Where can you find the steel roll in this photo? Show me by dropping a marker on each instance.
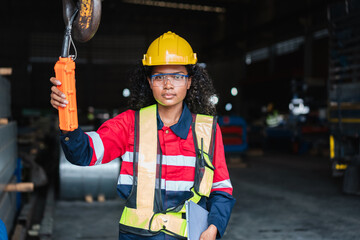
(76, 182)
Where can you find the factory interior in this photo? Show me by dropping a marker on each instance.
(287, 82)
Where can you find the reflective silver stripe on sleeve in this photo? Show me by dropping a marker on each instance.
(178, 185)
(98, 146)
(127, 157)
(125, 179)
(179, 160)
(222, 184)
(162, 183)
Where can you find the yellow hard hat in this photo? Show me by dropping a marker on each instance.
(169, 49)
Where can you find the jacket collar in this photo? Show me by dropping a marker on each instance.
(182, 127)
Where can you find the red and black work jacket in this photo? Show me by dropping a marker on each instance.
(115, 138)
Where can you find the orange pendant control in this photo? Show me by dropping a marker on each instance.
(65, 73)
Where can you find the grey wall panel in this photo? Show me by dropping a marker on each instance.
(76, 182)
(4, 98)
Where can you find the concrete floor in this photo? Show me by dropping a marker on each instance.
(75, 220)
(278, 197)
(291, 197)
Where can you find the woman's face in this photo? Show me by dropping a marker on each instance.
(168, 94)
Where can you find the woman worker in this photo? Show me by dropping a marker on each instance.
(170, 146)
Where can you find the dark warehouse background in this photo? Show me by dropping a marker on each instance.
(296, 175)
(286, 41)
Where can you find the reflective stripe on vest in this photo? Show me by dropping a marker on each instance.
(141, 218)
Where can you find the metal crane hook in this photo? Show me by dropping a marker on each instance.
(82, 21)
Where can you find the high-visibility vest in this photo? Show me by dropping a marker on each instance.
(143, 213)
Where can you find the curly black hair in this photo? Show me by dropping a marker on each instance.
(197, 97)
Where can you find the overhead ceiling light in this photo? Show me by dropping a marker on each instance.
(126, 92)
(214, 99)
(185, 6)
(228, 107)
(234, 91)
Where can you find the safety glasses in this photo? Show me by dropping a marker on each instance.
(176, 79)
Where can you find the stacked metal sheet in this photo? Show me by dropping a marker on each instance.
(78, 182)
(8, 157)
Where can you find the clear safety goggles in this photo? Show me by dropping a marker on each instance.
(176, 79)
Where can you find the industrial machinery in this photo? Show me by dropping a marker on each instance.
(344, 92)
